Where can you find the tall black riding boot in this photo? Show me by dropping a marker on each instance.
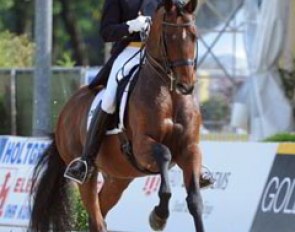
(82, 168)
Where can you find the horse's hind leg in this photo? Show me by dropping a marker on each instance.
(190, 163)
(160, 214)
(111, 192)
(90, 200)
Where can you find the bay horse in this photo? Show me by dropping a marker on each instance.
(163, 127)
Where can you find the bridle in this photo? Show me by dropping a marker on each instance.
(167, 66)
(176, 63)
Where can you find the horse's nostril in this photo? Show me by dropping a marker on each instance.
(184, 89)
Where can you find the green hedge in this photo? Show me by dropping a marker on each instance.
(282, 137)
(16, 50)
(80, 217)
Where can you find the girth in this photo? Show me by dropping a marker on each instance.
(126, 148)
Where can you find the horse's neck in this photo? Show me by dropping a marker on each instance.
(154, 79)
(155, 104)
(155, 89)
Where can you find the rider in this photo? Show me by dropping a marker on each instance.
(121, 23)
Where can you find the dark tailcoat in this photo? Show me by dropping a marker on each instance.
(113, 28)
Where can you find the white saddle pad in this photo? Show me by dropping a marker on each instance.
(122, 109)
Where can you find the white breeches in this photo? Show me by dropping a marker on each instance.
(119, 70)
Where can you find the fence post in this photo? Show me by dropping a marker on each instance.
(42, 80)
(13, 101)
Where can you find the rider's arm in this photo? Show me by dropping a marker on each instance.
(112, 29)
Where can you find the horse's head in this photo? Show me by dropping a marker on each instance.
(172, 43)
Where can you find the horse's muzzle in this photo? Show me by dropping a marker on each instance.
(184, 89)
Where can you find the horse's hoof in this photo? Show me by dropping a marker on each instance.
(157, 223)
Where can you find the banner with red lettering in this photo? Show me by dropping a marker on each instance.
(252, 184)
(17, 158)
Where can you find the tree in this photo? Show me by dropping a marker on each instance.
(16, 16)
(6, 4)
(214, 112)
(75, 29)
(288, 81)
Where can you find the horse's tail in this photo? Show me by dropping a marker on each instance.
(50, 194)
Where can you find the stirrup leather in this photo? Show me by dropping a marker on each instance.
(77, 180)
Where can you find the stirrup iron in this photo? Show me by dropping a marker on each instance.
(70, 177)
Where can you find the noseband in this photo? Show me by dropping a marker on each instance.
(168, 65)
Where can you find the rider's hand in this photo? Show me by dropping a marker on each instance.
(138, 24)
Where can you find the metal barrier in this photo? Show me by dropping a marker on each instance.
(16, 96)
(214, 93)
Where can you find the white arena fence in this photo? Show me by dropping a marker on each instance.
(254, 189)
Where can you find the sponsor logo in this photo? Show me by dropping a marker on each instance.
(17, 158)
(221, 180)
(152, 184)
(22, 152)
(2, 145)
(4, 189)
(279, 196)
(180, 206)
(276, 208)
(13, 195)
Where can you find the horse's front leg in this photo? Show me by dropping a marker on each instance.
(160, 214)
(190, 163)
(152, 152)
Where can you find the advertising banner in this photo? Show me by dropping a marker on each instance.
(240, 170)
(276, 208)
(17, 159)
(253, 192)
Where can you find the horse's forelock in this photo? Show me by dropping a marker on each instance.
(180, 6)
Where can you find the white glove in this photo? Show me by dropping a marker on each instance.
(138, 24)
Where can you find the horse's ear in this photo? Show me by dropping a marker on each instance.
(168, 5)
(191, 6)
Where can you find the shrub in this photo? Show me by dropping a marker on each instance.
(214, 112)
(66, 61)
(282, 137)
(15, 51)
(80, 217)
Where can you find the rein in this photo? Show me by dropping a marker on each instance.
(159, 69)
